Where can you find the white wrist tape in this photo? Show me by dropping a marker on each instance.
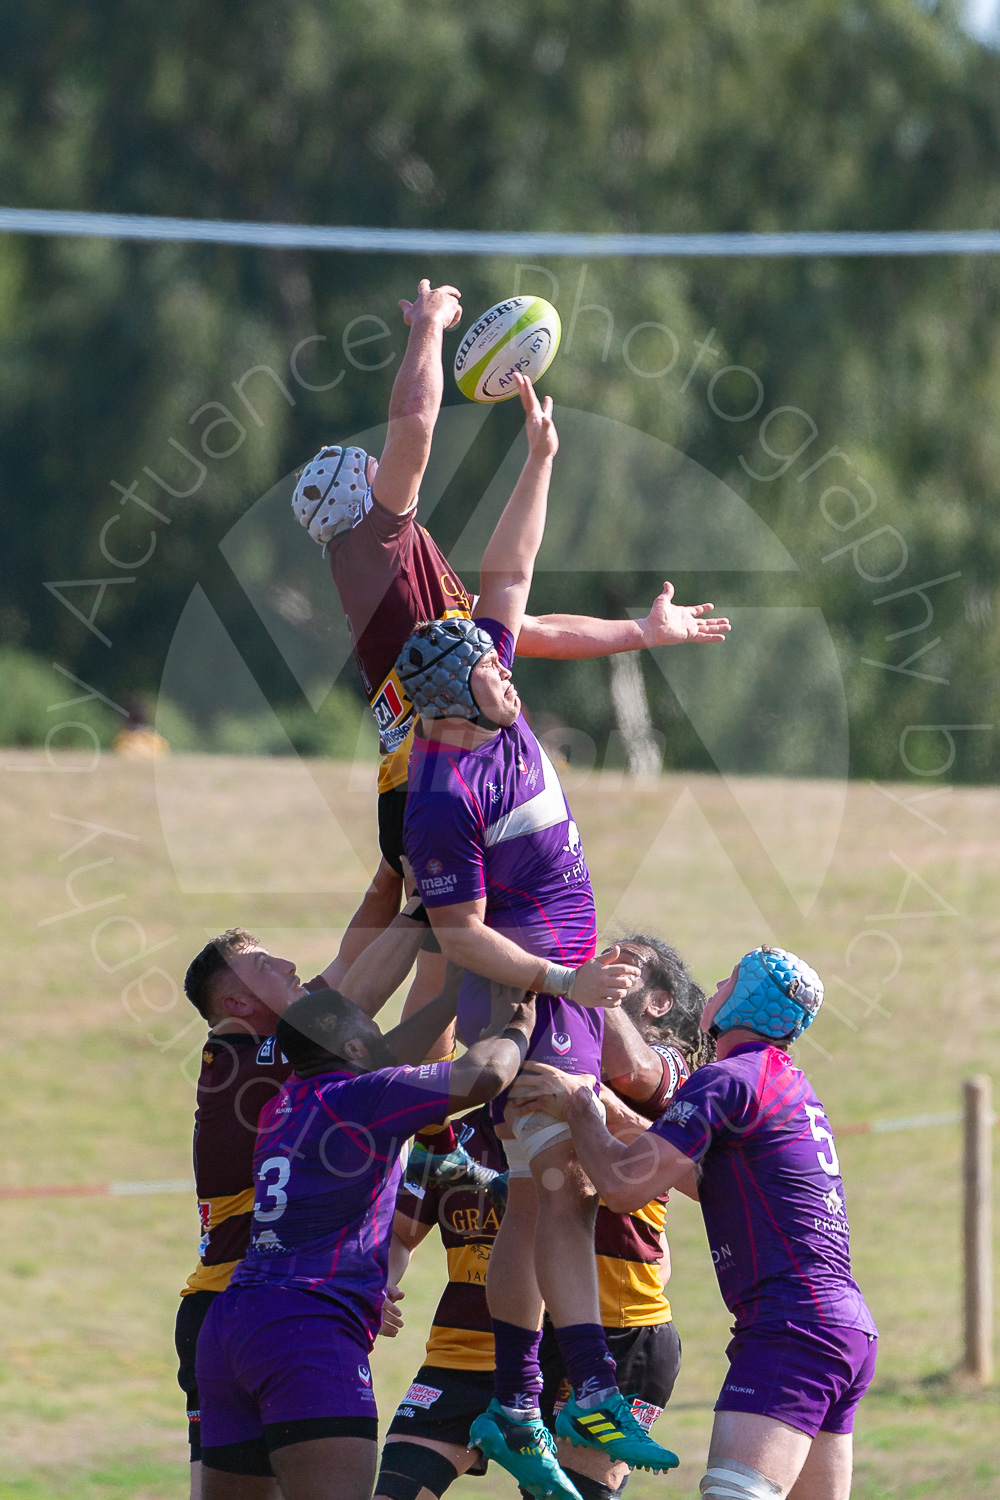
(559, 981)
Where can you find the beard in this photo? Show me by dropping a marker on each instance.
(634, 1006)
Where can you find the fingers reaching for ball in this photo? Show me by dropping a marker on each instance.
(543, 440)
(441, 304)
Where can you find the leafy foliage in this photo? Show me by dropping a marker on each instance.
(124, 363)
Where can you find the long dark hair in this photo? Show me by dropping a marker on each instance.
(664, 969)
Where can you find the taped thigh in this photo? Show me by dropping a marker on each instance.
(518, 1163)
(537, 1131)
(728, 1480)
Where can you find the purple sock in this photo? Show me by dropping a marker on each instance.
(585, 1353)
(518, 1378)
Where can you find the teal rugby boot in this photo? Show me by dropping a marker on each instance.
(525, 1449)
(454, 1169)
(613, 1430)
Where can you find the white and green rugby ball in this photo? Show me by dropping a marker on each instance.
(520, 334)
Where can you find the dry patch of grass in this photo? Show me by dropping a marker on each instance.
(99, 1070)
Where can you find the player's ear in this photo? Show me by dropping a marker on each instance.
(658, 1002)
(355, 1050)
(236, 1004)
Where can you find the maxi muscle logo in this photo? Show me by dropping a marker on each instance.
(702, 526)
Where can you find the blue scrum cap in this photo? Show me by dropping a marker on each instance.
(775, 994)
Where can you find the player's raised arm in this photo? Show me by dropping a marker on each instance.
(416, 396)
(575, 637)
(509, 560)
(382, 967)
(411, 1041)
(491, 1064)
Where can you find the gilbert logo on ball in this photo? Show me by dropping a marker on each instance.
(521, 334)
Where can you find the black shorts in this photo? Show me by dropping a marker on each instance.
(441, 1405)
(391, 808)
(190, 1316)
(648, 1361)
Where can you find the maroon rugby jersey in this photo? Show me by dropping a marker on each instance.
(391, 575)
(239, 1075)
(461, 1336)
(629, 1251)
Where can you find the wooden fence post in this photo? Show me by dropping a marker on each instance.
(977, 1174)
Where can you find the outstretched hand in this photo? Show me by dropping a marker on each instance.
(543, 440)
(670, 624)
(441, 303)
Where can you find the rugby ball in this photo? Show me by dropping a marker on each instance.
(520, 334)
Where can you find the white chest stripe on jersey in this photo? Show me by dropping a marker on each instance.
(544, 810)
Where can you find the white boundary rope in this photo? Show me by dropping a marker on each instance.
(46, 221)
(186, 1185)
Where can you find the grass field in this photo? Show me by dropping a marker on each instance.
(99, 1068)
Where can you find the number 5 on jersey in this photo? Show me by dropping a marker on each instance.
(830, 1164)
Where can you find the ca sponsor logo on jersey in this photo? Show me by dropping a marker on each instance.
(421, 1395)
(561, 1042)
(393, 713)
(452, 589)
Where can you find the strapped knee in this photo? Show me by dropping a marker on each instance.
(593, 1489)
(728, 1480)
(408, 1468)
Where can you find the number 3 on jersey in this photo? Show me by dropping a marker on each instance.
(275, 1189)
(830, 1164)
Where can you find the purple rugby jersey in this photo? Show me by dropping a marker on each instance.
(494, 822)
(770, 1189)
(326, 1170)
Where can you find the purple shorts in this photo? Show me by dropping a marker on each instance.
(566, 1036)
(275, 1366)
(811, 1378)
